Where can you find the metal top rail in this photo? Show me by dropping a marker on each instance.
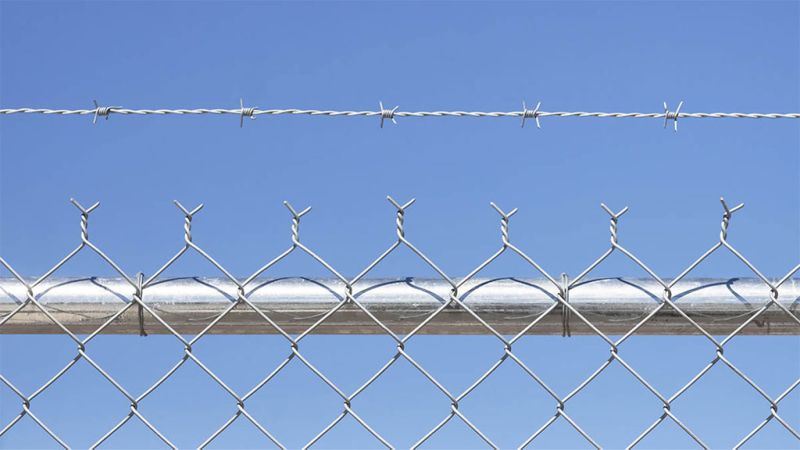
(613, 305)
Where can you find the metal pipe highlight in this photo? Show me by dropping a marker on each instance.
(613, 305)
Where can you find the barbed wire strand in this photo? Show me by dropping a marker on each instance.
(391, 114)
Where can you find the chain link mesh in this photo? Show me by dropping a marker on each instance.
(561, 287)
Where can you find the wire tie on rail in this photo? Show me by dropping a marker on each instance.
(669, 115)
(387, 114)
(139, 283)
(102, 111)
(566, 313)
(245, 112)
(530, 114)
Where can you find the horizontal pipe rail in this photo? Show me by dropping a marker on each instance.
(613, 305)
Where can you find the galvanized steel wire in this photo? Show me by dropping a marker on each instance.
(560, 288)
(386, 113)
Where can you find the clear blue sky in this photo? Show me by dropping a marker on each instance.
(607, 56)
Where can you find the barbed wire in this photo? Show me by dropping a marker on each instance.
(558, 290)
(391, 114)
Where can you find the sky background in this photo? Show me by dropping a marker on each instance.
(572, 56)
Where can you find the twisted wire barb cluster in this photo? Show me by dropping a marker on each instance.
(390, 114)
(456, 299)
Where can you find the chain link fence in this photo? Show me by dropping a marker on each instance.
(23, 298)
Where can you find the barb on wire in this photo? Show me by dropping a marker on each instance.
(530, 113)
(672, 115)
(102, 111)
(387, 113)
(245, 112)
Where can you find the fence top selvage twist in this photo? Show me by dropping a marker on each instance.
(456, 299)
(390, 114)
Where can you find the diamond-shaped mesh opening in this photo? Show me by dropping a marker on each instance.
(614, 393)
(135, 362)
(508, 405)
(187, 400)
(402, 404)
(561, 363)
(81, 405)
(668, 362)
(443, 357)
(254, 357)
(30, 361)
(349, 361)
(773, 371)
(721, 407)
(284, 402)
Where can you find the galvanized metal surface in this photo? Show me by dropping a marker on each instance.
(613, 305)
